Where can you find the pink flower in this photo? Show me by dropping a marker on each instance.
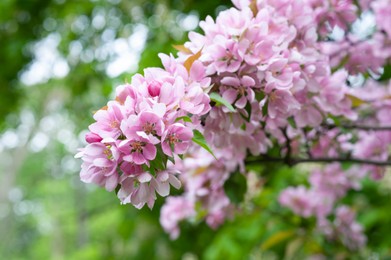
(239, 87)
(135, 190)
(162, 183)
(308, 116)
(108, 121)
(147, 124)
(175, 210)
(299, 200)
(331, 180)
(195, 100)
(382, 9)
(154, 88)
(99, 166)
(176, 139)
(282, 102)
(137, 150)
(347, 229)
(226, 55)
(93, 138)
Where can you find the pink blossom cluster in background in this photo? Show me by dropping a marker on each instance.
(269, 73)
(327, 186)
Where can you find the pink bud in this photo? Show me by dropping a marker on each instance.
(154, 88)
(93, 138)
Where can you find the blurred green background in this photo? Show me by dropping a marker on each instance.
(60, 61)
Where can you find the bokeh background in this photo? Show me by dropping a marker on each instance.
(59, 62)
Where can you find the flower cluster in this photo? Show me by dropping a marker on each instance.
(268, 73)
(266, 62)
(327, 186)
(137, 135)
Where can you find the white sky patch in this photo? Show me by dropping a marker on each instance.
(48, 62)
(364, 26)
(10, 139)
(126, 52)
(39, 142)
(189, 22)
(15, 194)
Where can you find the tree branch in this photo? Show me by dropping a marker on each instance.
(287, 158)
(359, 127)
(294, 161)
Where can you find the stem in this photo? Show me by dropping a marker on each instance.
(287, 158)
(294, 161)
(360, 127)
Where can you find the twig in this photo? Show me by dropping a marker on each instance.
(359, 127)
(294, 161)
(287, 158)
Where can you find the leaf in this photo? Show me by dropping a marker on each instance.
(160, 160)
(293, 248)
(276, 238)
(184, 118)
(189, 62)
(102, 108)
(219, 100)
(199, 139)
(386, 73)
(253, 7)
(292, 122)
(356, 102)
(236, 187)
(182, 48)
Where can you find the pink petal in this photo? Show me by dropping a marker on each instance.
(149, 151)
(174, 181)
(163, 188)
(111, 182)
(138, 158)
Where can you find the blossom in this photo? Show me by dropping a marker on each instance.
(299, 199)
(108, 121)
(162, 182)
(138, 150)
(176, 139)
(175, 210)
(100, 165)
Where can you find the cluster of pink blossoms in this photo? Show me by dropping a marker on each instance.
(143, 130)
(327, 187)
(265, 61)
(266, 73)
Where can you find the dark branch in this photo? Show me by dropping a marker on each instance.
(287, 158)
(359, 127)
(294, 161)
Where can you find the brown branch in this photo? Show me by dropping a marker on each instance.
(287, 158)
(294, 161)
(359, 127)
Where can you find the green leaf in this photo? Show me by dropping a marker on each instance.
(386, 73)
(265, 108)
(199, 139)
(356, 102)
(292, 122)
(277, 238)
(221, 101)
(160, 161)
(184, 118)
(235, 187)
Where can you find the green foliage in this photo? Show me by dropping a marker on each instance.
(219, 100)
(386, 73)
(235, 187)
(47, 213)
(199, 139)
